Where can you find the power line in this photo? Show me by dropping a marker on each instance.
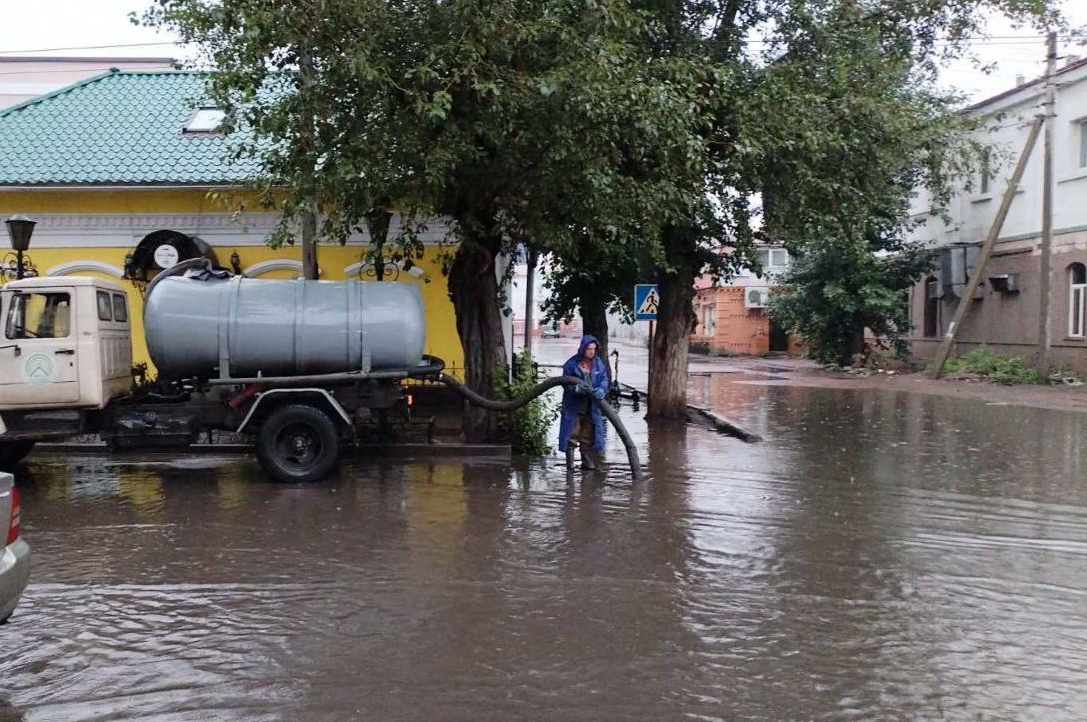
(102, 69)
(91, 47)
(974, 39)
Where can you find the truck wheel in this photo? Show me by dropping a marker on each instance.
(298, 443)
(12, 452)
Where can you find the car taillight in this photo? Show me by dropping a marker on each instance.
(14, 527)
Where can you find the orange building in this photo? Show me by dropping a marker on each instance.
(733, 320)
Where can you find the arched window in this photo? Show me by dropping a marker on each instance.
(1077, 285)
(932, 307)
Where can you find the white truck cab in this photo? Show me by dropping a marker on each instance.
(65, 343)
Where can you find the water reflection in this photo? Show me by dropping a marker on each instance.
(880, 556)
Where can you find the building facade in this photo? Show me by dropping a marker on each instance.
(1005, 310)
(125, 176)
(732, 318)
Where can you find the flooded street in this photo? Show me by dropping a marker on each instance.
(880, 556)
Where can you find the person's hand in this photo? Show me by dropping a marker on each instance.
(599, 394)
(583, 388)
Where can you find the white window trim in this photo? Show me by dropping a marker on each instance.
(1081, 143)
(985, 174)
(1073, 332)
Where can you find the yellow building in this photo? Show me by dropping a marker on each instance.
(125, 176)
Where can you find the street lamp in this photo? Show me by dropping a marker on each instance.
(20, 228)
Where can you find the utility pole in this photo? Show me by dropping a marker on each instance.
(309, 211)
(948, 340)
(530, 299)
(1049, 109)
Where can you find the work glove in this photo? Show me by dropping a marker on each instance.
(583, 388)
(599, 394)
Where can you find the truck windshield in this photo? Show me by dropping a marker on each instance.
(39, 315)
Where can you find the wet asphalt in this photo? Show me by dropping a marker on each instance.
(880, 556)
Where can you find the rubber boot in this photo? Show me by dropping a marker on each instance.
(570, 455)
(587, 459)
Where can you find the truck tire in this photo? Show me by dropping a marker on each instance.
(297, 444)
(12, 452)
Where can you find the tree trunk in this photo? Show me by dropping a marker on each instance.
(310, 268)
(473, 289)
(671, 346)
(855, 348)
(594, 322)
(377, 222)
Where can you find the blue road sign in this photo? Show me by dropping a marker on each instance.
(646, 302)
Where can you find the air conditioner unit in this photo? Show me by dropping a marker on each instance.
(756, 297)
(1006, 283)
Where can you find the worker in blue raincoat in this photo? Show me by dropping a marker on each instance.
(582, 425)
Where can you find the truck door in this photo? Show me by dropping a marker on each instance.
(38, 360)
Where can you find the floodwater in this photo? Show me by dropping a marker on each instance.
(880, 556)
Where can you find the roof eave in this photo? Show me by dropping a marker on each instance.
(1011, 92)
(120, 185)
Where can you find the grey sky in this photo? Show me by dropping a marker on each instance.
(81, 23)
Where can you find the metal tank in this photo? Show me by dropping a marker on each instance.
(197, 324)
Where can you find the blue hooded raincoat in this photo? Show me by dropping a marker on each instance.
(574, 397)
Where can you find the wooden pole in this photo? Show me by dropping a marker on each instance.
(948, 340)
(1045, 330)
(649, 365)
(530, 300)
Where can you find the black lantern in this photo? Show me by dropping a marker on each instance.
(20, 229)
(236, 263)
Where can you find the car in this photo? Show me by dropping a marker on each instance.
(15, 554)
(551, 331)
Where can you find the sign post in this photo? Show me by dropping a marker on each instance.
(646, 303)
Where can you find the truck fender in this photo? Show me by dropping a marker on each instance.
(269, 401)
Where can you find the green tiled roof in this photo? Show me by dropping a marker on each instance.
(120, 128)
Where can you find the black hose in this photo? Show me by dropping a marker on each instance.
(174, 270)
(540, 388)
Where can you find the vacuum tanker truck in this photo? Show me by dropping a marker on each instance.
(296, 365)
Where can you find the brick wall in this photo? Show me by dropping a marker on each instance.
(737, 330)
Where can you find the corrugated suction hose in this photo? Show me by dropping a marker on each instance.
(546, 385)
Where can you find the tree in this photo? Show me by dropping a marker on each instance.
(832, 293)
(838, 195)
(806, 90)
(551, 122)
(843, 208)
(595, 276)
(502, 118)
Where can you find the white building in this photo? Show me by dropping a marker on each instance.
(1006, 308)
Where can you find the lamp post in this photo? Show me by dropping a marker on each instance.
(20, 228)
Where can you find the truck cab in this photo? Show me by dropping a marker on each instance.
(66, 343)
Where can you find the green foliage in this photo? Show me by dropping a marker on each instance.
(520, 120)
(995, 367)
(624, 138)
(832, 293)
(528, 428)
(873, 130)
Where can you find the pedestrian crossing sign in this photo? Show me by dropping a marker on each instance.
(646, 302)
